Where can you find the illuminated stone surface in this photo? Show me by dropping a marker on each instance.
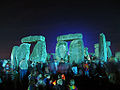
(61, 50)
(117, 55)
(69, 37)
(29, 39)
(13, 56)
(39, 52)
(23, 52)
(76, 51)
(86, 54)
(102, 48)
(23, 64)
(96, 46)
(86, 51)
(109, 53)
(48, 56)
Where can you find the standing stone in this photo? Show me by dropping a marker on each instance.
(96, 46)
(48, 56)
(23, 52)
(39, 52)
(86, 52)
(117, 55)
(102, 48)
(61, 50)
(13, 57)
(76, 51)
(109, 53)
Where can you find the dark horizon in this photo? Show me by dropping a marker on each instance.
(51, 19)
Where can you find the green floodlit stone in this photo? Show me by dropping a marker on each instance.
(117, 55)
(76, 51)
(39, 52)
(61, 50)
(108, 43)
(102, 48)
(29, 39)
(86, 51)
(96, 46)
(13, 56)
(70, 37)
(23, 52)
(48, 56)
(109, 52)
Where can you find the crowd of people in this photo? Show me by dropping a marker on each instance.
(60, 75)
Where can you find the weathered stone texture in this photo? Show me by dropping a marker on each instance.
(61, 50)
(29, 39)
(13, 56)
(102, 48)
(96, 46)
(109, 53)
(76, 51)
(69, 37)
(39, 52)
(23, 52)
(117, 55)
(86, 51)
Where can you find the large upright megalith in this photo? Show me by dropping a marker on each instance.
(23, 52)
(13, 57)
(96, 46)
(76, 51)
(102, 48)
(39, 52)
(109, 53)
(61, 50)
(86, 52)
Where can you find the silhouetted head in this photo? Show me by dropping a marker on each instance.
(72, 82)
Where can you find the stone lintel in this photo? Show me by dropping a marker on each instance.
(70, 37)
(30, 39)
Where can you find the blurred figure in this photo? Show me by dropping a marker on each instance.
(59, 85)
(40, 85)
(39, 67)
(32, 79)
(23, 68)
(63, 66)
(92, 70)
(75, 69)
(86, 68)
(72, 85)
(0, 80)
(53, 66)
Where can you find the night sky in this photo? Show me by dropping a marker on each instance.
(51, 19)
